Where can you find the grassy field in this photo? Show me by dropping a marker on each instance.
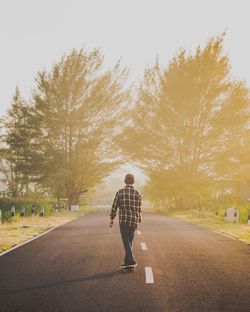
(213, 222)
(23, 229)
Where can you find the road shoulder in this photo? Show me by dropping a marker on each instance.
(24, 230)
(213, 223)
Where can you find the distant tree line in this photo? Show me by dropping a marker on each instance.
(187, 126)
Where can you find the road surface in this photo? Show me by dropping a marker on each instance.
(76, 268)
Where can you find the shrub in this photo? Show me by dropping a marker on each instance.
(243, 214)
(19, 203)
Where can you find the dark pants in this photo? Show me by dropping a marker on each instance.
(127, 234)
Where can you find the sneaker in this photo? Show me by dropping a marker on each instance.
(133, 263)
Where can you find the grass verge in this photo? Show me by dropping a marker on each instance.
(213, 222)
(17, 232)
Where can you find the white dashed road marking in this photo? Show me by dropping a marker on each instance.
(149, 275)
(143, 246)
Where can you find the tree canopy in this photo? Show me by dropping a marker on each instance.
(186, 119)
(187, 126)
(74, 112)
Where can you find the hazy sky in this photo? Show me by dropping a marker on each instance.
(36, 33)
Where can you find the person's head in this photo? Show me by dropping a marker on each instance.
(129, 179)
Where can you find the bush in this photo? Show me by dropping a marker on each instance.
(221, 212)
(19, 203)
(243, 214)
(6, 216)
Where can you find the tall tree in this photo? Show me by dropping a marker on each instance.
(78, 108)
(17, 151)
(185, 119)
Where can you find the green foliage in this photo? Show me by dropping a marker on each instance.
(77, 107)
(188, 124)
(186, 129)
(19, 203)
(17, 155)
(243, 214)
(63, 140)
(221, 213)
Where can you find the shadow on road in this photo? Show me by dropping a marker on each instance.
(98, 276)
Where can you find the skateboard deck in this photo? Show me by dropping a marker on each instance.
(128, 268)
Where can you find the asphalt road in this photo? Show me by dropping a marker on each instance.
(76, 268)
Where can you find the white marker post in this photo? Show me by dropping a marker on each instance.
(12, 211)
(74, 208)
(22, 214)
(42, 212)
(33, 211)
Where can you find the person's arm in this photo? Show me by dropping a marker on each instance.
(114, 209)
(139, 208)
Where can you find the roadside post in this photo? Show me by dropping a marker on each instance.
(12, 211)
(232, 215)
(0, 216)
(74, 208)
(42, 212)
(33, 210)
(22, 214)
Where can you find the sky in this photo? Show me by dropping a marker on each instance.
(34, 34)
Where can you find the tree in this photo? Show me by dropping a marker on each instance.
(18, 148)
(233, 166)
(185, 120)
(78, 108)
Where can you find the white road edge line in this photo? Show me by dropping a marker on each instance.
(33, 238)
(139, 232)
(143, 246)
(224, 234)
(149, 275)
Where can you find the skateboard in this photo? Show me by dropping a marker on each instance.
(128, 268)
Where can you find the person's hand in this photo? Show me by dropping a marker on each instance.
(111, 223)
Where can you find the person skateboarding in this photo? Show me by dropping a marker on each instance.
(128, 200)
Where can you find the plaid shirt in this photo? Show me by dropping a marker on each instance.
(129, 202)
